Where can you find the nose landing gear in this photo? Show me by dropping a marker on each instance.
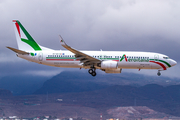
(158, 73)
(92, 71)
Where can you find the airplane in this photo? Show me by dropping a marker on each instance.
(107, 61)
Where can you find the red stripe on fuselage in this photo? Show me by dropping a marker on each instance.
(164, 68)
(71, 59)
(62, 59)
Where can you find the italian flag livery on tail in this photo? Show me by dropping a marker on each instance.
(107, 61)
(23, 36)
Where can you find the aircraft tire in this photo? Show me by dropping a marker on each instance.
(158, 73)
(93, 74)
(90, 71)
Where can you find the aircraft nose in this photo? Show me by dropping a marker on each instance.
(173, 62)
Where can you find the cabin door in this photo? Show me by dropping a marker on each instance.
(40, 56)
(156, 57)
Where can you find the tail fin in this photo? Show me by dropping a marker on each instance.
(24, 40)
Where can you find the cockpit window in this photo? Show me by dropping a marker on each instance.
(166, 57)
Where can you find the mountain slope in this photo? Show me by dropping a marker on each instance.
(79, 81)
(66, 82)
(22, 85)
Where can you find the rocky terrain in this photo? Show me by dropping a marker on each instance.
(58, 106)
(70, 94)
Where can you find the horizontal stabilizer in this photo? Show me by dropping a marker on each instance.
(17, 51)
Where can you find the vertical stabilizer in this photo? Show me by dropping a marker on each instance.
(24, 40)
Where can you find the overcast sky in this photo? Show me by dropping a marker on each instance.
(129, 25)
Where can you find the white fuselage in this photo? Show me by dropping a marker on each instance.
(107, 61)
(124, 59)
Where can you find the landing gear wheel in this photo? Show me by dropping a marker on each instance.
(90, 71)
(158, 73)
(93, 74)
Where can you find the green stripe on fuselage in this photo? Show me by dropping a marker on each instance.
(162, 61)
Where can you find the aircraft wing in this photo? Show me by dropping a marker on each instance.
(87, 60)
(17, 51)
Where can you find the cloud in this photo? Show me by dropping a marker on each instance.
(130, 25)
(20, 67)
(45, 73)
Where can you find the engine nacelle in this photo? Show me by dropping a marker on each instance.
(109, 65)
(118, 70)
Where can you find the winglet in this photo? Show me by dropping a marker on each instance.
(62, 41)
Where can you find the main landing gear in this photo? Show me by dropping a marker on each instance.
(92, 71)
(158, 73)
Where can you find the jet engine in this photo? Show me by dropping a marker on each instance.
(109, 65)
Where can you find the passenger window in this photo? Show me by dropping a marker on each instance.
(166, 57)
